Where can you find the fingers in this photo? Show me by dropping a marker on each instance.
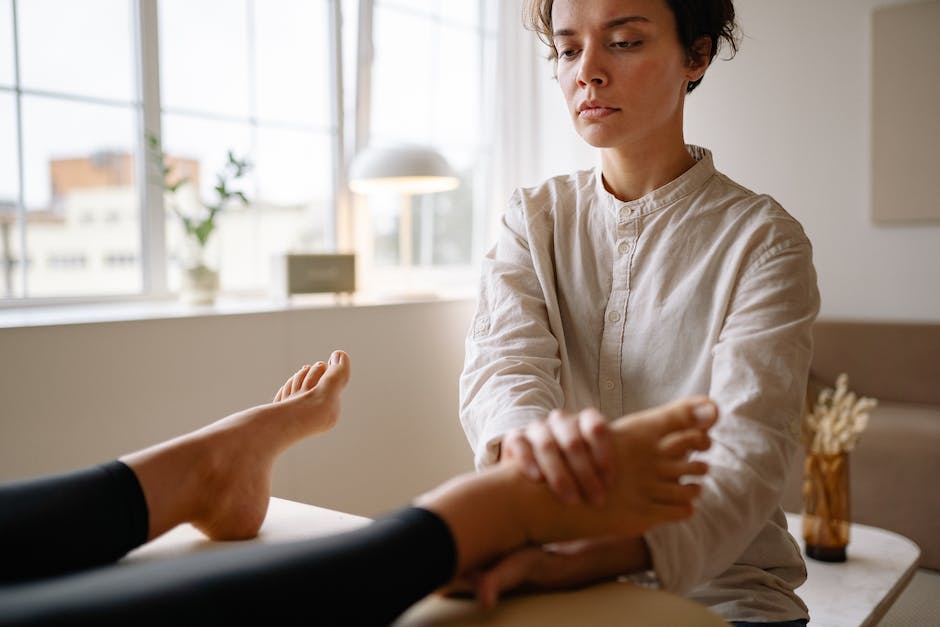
(577, 450)
(508, 574)
(598, 436)
(516, 447)
(573, 453)
(551, 462)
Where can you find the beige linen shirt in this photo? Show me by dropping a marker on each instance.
(699, 287)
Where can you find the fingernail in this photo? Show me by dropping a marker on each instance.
(704, 413)
(334, 358)
(533, 473)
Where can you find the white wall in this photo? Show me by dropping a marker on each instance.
(790, 115)
(80, 394)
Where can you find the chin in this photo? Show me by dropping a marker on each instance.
(594, 134)
(596, 137)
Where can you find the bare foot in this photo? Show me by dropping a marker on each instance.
(219, 477)
(501, 509)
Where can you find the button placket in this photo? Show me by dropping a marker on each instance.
(609, 381)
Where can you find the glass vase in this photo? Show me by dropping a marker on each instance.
(826, 517)
(200, 276)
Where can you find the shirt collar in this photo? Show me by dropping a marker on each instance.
(686, 183)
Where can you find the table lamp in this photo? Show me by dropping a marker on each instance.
(407, 170)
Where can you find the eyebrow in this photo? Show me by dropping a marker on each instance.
(620, 21)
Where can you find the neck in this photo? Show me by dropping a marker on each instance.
(631, 172)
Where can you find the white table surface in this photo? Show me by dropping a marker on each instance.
(856, 592)
(611, 603)
(860, 590)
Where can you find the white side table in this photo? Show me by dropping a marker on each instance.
(860, 590)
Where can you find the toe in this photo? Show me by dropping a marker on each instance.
(314, 374)
(337, 372)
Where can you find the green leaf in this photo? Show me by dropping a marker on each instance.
(203, 231)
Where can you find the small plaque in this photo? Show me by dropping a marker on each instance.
(315, 274)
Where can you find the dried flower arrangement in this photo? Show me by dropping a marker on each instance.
(830, 431)
(837, 420)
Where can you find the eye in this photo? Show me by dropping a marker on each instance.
(627, 44)
(567, 53)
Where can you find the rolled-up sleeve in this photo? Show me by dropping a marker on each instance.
(759, 370)
(511, 365)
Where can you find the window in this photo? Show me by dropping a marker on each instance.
(68, 105)
(79, 83)
(429, 87)
(253, 76)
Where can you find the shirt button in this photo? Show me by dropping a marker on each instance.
(624, 248)
(609, 384)
(613, 316)
(626, 212)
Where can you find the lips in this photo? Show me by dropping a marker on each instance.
(595, 109)
(596, 113)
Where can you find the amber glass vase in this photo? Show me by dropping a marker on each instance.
(826, 518)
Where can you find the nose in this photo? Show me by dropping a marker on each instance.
(591, 71)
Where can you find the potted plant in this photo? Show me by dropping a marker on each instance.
(200, 278)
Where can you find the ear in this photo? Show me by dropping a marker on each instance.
(699, 58)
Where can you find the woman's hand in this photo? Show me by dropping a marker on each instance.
(571, 452)
(556, 566)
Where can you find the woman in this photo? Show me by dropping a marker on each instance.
(54, 530)
(650, 277)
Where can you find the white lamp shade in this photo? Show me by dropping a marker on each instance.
(403, 169)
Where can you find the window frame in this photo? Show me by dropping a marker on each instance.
(347, 137)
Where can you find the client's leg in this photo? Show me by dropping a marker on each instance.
(217, 477)
(370, 575)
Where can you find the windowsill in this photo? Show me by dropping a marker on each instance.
(225, 305)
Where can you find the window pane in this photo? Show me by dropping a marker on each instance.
(9, 218)
(290, 189)
(289, 213)
(204, 55)
(9, 169)
(294, 167)
(424, 6)
(83, 225)
(293, 61)
(461, 12)
(403, 80)
(77, 47)
(6, 43)
(457, 97)
(207, 142)
(442, 107)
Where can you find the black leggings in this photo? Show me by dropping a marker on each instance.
(58, 536)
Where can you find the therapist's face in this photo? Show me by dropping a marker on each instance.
(621, 69)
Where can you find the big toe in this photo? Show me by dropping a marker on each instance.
(337, 372)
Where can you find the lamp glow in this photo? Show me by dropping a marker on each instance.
(402, 169)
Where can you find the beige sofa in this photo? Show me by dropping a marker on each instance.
(895, 468)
